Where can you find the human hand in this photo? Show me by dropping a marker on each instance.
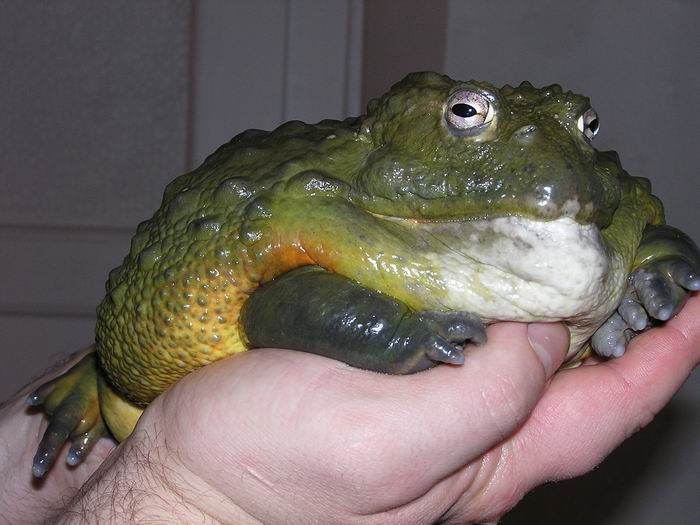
(24, 499)
(285, 437)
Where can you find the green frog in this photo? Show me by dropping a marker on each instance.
(387, 241)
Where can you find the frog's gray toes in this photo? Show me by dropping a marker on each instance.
(72, 407)
(54, 438)
(685, 274)
(83, 443)
(656, 290)
(661, 297)
(444, 352)
(610, 340)
(458, 327)
(632, 312)
(38, 397)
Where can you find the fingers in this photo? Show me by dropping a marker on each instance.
(589, 411)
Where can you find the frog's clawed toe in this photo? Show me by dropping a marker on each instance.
(454, 330)
(610, 340)
(657, 291)
(444, 352)
(72, 406)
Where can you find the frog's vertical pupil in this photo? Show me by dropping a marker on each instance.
(593, 125)
(463, 110)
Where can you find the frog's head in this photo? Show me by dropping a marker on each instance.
(449, 150)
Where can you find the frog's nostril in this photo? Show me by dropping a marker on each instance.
(525, 133)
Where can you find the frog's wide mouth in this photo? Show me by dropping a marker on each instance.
(544, 190)
(532, 211)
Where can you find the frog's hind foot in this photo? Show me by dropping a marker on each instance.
(72, 407)
(658, 289)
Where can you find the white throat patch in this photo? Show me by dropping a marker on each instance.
(514, 268)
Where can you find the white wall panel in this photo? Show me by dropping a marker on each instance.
(238, 70)
(93, 124)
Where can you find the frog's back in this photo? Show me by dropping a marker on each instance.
(174, 302)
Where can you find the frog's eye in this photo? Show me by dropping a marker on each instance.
(588, 123)
(467, 111)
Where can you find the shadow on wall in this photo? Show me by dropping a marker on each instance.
(595, 497)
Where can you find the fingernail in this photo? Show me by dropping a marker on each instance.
(550, 341)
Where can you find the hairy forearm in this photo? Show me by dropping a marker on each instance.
(132, 486)
(140, 483)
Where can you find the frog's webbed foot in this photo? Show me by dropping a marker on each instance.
(657, 290)
(72, 407)
(317, 311)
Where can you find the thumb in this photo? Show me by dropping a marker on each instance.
(479, 404)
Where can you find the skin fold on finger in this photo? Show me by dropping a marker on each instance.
(588, 411)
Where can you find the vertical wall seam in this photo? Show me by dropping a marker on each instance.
(285, 61)
(348, 55)
(191, 94)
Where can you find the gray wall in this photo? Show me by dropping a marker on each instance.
(102, 102)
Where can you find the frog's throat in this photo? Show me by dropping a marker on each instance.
(515, 268)
(519, 269)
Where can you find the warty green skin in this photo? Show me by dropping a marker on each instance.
(328, 194)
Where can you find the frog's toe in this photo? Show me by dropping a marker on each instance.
(685, 274)
(658, 293)
(632, 312)
(441, 351)
(72, 406)
(610, 340)
(83, 443)
(458, 327)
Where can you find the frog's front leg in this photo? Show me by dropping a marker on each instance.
(313, 310)
(666, 269)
